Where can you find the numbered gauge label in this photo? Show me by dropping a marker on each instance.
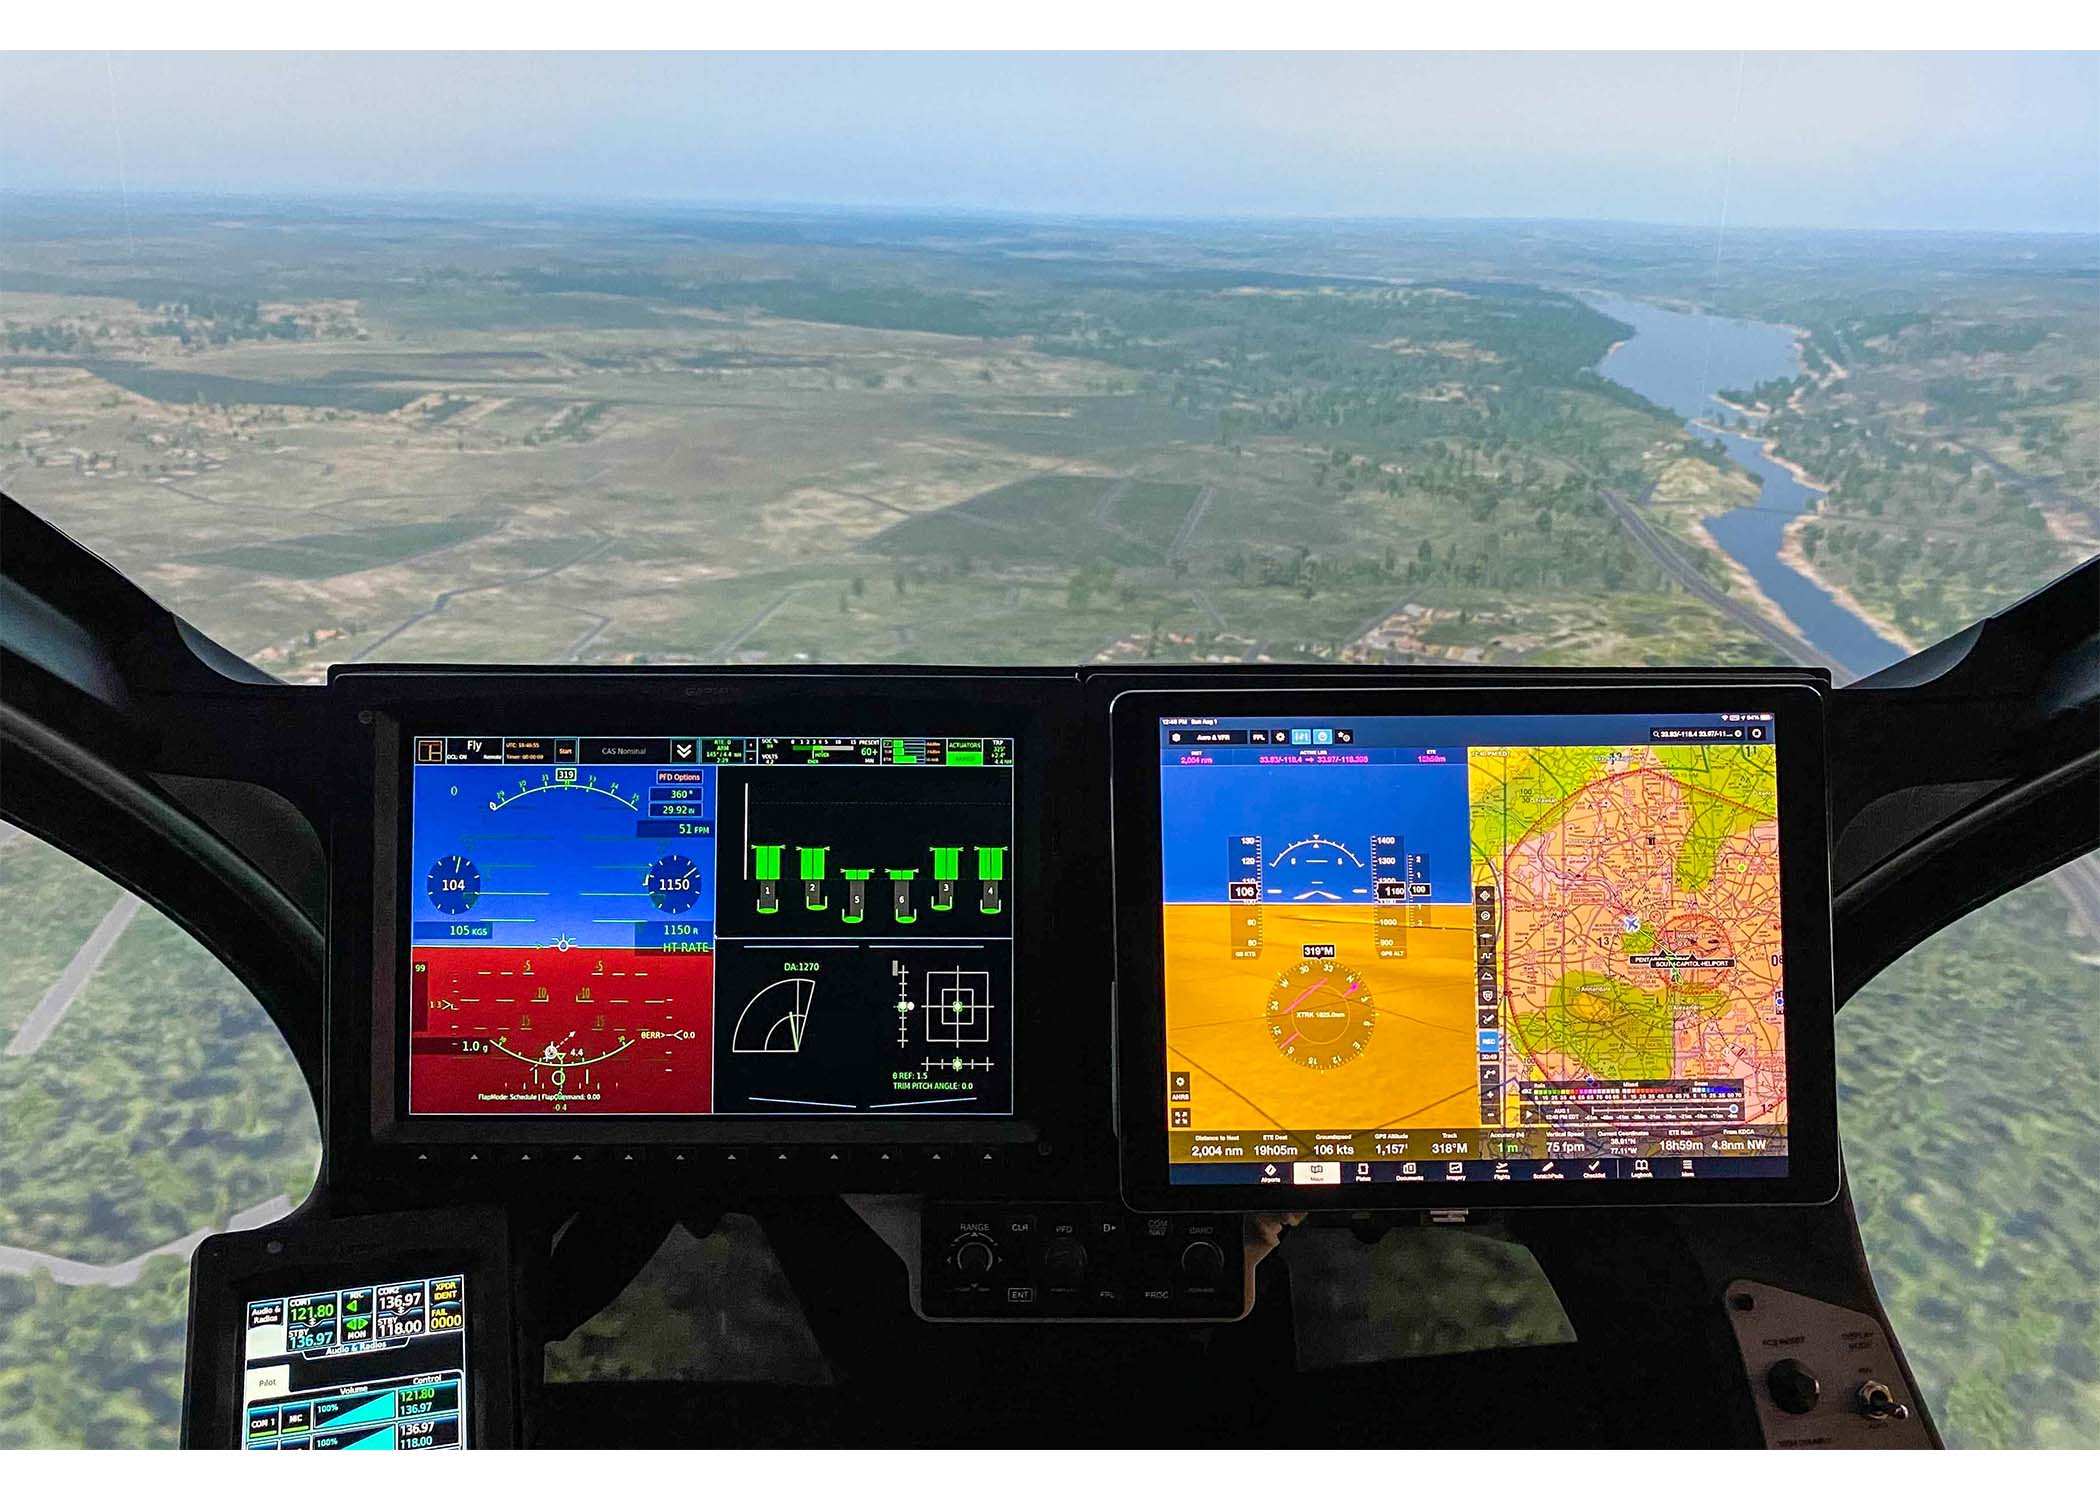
(673, 883)
(453, 885)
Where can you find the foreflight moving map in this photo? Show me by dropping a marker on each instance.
(1504, 947)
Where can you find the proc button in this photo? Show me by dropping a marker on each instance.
(1794, 1387)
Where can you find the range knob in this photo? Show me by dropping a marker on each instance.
(1794, 1387)
(974, 1258)
(1201, 1261)
(1064, 1264)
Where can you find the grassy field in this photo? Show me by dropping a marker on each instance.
(1971, 1060)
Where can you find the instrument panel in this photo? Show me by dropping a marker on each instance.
(693, 925)
(930, 931)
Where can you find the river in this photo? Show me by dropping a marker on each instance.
(1679, 360)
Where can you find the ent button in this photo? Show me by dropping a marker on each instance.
(1794, 1386)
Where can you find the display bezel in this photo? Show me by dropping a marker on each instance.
(373, 885)
(231, 1270)
(1135, 791)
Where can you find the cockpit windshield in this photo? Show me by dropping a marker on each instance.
(767, 360)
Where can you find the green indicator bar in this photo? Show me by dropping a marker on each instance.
(856, 909)
(765, 859)
(813, 876)
(947, 869)
(900, 896)
(902, 755)
(991, 869)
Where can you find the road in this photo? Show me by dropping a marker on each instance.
(15, 1261)
(721, 652)
(2050, 492)
(42, 1021)
(1665, 551)
(1197, 508)
(438, 604)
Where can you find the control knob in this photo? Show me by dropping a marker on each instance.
(974, 1258)
(1064, 1264)
(1794, 1387)
(1201, 1261)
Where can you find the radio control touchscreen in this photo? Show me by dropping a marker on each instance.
(379, 1366)
(696, 925)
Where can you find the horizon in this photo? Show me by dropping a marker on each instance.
(118, 200)
(1999, 143)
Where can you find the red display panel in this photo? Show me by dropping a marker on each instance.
(586, 1031)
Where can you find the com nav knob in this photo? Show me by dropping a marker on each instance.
(1794, 1387)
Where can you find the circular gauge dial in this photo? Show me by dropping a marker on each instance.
(453, 885)
(1320, 1014)
(673, 883)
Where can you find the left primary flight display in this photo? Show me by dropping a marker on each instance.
(727, 925)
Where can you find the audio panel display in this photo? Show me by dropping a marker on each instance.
(381, 1366)
(727, 925)
(1499, 948)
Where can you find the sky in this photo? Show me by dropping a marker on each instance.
(1963, 141)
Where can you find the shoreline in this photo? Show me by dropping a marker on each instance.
(1740, 579)
(1789, 553)
(1794, 556)
(1769, 448)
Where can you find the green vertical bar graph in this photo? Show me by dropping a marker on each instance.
(947, 869)
(991, 869)
(856, 895)
(765, 869)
